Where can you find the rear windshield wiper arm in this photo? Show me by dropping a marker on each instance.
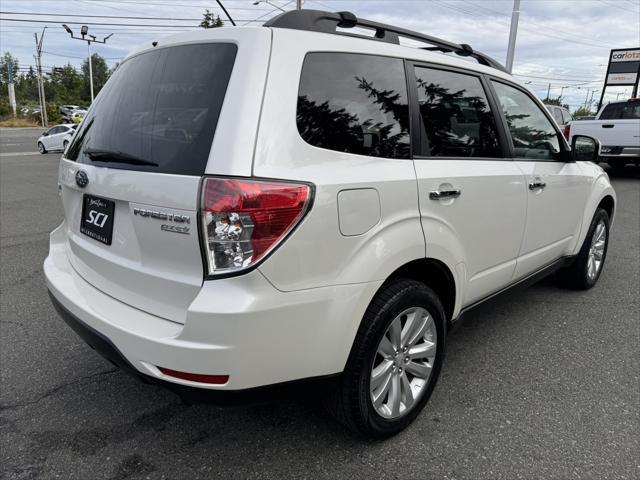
(116, 157)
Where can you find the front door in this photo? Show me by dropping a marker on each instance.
(557, 188)
(466, 183)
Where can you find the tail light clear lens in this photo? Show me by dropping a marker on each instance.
(244, 220)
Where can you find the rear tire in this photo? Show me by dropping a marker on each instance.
(396, 356)
(587, 267)
(41, 148)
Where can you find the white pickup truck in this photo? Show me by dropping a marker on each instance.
(617, 126)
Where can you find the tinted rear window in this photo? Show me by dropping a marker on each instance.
(354, 103)
(160, 107)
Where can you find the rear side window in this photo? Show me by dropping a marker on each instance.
(354, 104)
(159, 111)
(631, 111)
(456, 120)
(557, 114)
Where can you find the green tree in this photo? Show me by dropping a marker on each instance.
(27, 87)
(100, 75)
(211, 20)
(5, 61)
(64, 85)
(555, 101)
(583, 112)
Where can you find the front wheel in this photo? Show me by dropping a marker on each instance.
(587, 267)
(394, 363)
(41, 148)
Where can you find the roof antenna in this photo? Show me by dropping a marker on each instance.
(226, 13)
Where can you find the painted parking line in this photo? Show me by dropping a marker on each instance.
(18, 154)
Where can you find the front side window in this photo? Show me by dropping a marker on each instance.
(456, 120)
(354, 104)
(534, 136)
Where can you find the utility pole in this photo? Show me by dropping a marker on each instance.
(43, 102)
(586, 98)
(84, 31)
(12, 91)
(548, 91)
(298, 4)
(515, 15)
(90, 70)
(591, 99)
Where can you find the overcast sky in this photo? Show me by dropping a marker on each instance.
(564, 43)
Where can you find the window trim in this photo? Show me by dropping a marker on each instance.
(565, 149)
(414, 110)
(411, 124)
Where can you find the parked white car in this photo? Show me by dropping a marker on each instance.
(617, 126)
(56, 138)
(312, 210)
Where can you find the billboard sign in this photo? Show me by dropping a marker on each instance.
(623, 70)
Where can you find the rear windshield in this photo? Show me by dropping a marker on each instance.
(158, 112)
(621, 111)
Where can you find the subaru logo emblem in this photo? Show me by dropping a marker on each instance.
(82, 180)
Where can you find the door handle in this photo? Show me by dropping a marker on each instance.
(536, 184)
(608, 125)
(440, 194)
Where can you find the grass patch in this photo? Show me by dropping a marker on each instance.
(18, 122)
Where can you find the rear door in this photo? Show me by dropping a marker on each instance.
(557, 188)
(131, 176)
(466, 182)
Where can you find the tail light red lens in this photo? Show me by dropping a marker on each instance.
(567, 131)
(244, 220)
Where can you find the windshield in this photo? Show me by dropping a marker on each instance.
(159, 108)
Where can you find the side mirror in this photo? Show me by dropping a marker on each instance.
(585, 149)
(45, 133)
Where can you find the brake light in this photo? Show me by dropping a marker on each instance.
(566, 131)
(244, 220)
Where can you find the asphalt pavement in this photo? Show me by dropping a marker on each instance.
(544, 384)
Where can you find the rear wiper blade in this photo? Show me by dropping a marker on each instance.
(116, 157)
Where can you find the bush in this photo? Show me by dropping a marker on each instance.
(53, 113)
(5, 108)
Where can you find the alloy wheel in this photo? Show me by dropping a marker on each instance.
(403, 363)
(596, 251)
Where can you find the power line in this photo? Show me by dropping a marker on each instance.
(533, 32)
(104, 24)
(100, 16)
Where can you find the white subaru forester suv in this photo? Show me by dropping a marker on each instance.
(266, 209)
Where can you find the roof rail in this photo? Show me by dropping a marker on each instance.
(327, 22)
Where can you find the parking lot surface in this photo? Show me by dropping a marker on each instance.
(545, 383)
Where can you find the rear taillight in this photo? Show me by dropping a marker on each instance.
(244, 220)
(566, 131)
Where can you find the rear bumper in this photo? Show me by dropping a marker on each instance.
(106, 348)
(241, 326)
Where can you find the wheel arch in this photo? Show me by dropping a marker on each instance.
(608, 204)
(436, 275)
